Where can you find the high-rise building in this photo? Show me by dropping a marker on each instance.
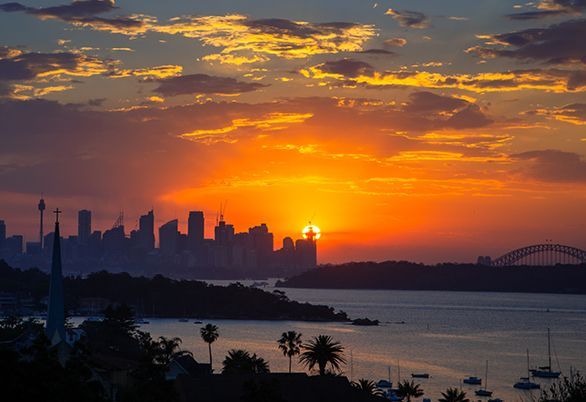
(41, 208)
(84, 226)
(2, 233)
(169, 237)
(55, 329)
(262, 244)
(223, 233)
(306, 252)
(13, 245)
(146, 231)
(195, 229)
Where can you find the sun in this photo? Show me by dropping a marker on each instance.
(311, 232)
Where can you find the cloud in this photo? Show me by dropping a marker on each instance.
(409, 19)
(552, 165)
(574, 113)
(556, 44)
(165, 71)
(19, 66)
(446, 111)
(271, 122)
(288, 39)
(204, 84)
(235, 59)
(83, 13)
(348, 72)
(395, 42)
(382, 52)
(551, 8)
(348, 68)
(237, 35)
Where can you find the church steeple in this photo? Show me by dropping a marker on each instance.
(55, 329)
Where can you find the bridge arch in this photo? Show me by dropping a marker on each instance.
(543, 254)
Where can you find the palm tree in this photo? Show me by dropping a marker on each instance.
(408, 389)
(241, 362)
(209, 334)
(168, 349)
(290, 345)
(453, 395)
(322, 350)
(367, 386)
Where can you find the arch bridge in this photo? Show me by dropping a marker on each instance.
(542, 254)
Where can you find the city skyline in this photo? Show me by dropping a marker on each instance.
(419, 130)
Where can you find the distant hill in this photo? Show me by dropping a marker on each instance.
(164, 297)
(402, 275)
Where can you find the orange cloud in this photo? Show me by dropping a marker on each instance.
(272, 122)
(549, 80)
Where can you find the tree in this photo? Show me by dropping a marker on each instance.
(120, 318)
(290, 345)
(408, 389)
(453, 395)
(242, 362)
(568, 389)
(169, 349)
(321, 351)
(367, 386)
(209, 334)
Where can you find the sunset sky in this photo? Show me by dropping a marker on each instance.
(424, 130)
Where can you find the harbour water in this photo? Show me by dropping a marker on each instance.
(449, 335)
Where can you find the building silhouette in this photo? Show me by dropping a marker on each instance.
(41, 208)
(55, 329)
(195, 230)
(146, 231)
(245, 254)
(84, 226)
(169, 238)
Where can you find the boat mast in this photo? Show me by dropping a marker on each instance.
(486, 376)
(528, 364)
(549, 349)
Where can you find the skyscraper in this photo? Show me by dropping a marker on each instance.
(195, 229)
(146, 231)
(262, 244)
(41, 207)
(169, 237)
(84, 226)
(55, 329)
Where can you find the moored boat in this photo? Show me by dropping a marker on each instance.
(472, 380)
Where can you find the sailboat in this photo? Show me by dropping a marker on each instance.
(524, 382)
(545, 371)
(484, 391)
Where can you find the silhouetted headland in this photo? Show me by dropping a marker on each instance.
(403, 275)
(162, 297)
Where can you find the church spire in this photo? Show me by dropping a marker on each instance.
(55, 329)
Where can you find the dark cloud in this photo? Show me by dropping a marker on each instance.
(551, 8)
(552, 165)
(204, 84)
(382, 52)
(26, 66)
(409, 19)
(81, 12)
(66, 12)
(347, 67)
(446, 111)
(430, 102)
(556, 44)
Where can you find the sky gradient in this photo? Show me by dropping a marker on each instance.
(422, 130)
